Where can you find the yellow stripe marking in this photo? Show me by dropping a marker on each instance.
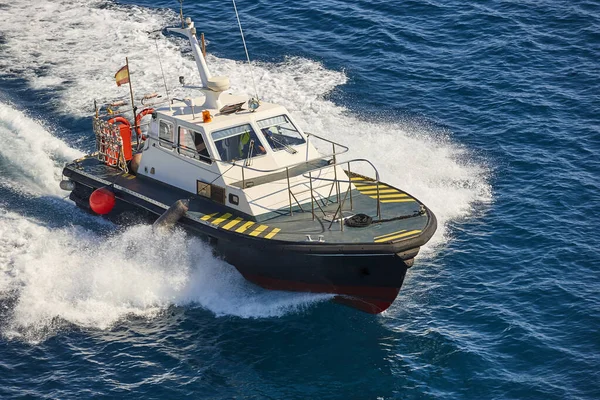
(371, 187)
(259, 230)
(389, 234)
(208, 216)
(401, 235)
(392, 196)
(232, 223)
(222, 218)
(396, 200)
(274, 232)
(381, 191)
(244, 227)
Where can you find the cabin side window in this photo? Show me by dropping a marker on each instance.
(165, 134)
(280, 132)
(237, 143)
(191, 144)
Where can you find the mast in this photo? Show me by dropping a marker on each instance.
(133, 106)
(212, 87)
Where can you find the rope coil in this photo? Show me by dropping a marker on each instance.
(363, 220)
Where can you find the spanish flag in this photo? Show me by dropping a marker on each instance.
(122, 76)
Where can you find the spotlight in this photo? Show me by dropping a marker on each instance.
(253, 104)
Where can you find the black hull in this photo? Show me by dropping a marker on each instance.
(364, 276)
(369, 282)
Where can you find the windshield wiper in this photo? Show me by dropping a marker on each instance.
(248, 161)
(287, 147)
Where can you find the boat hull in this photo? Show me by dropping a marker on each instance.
(365, 276)
(368, 282)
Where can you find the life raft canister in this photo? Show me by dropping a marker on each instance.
(125, 131)
(138, 120)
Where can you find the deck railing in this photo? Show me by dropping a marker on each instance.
(245, 165)
(336, 150)
(335, 182)
(109, 144)
(334, 153)
(348, 192)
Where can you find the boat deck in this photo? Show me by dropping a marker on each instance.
(404, 217)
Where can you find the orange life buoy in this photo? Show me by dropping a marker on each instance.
(122, 120)
(138, 120)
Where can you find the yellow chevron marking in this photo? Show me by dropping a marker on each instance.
(381, 191)
(244, 227)
(231, 224)
(274, 232)
(408, 200)
(258, 230)
(388, 234)
(392, 196)
(401, 235)
(208, 216)
(222, 218)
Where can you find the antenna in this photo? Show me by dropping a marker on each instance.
(161, 67)
(181, 13)
(245, 48)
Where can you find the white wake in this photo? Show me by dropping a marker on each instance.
(52, 276)
(73, 48)
(91, 280)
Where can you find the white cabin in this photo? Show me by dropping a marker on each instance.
(256, 160)
(238, 159)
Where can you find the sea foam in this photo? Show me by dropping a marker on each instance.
(54, 277)
(92, 280)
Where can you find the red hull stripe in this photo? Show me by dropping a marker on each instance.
(369, 306)
(365, 298)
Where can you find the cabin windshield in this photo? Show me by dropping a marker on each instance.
(280, 132)
(237, 143)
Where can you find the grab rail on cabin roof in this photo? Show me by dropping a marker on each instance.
(333, 154)
(335, 183)
(308, 135)
(333, 164)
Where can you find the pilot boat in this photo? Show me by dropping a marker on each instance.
(276, 202)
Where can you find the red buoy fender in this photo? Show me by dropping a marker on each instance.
(102, 201)
(138, 120)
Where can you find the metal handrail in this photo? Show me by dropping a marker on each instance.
(308, 175)
(279, 169)
(341, 163)
(244, 165)
(336, 182)
(119, 111)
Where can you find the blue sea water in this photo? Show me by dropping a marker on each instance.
(487, 111)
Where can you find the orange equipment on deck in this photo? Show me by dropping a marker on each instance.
(125, 130)
(138, 121)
